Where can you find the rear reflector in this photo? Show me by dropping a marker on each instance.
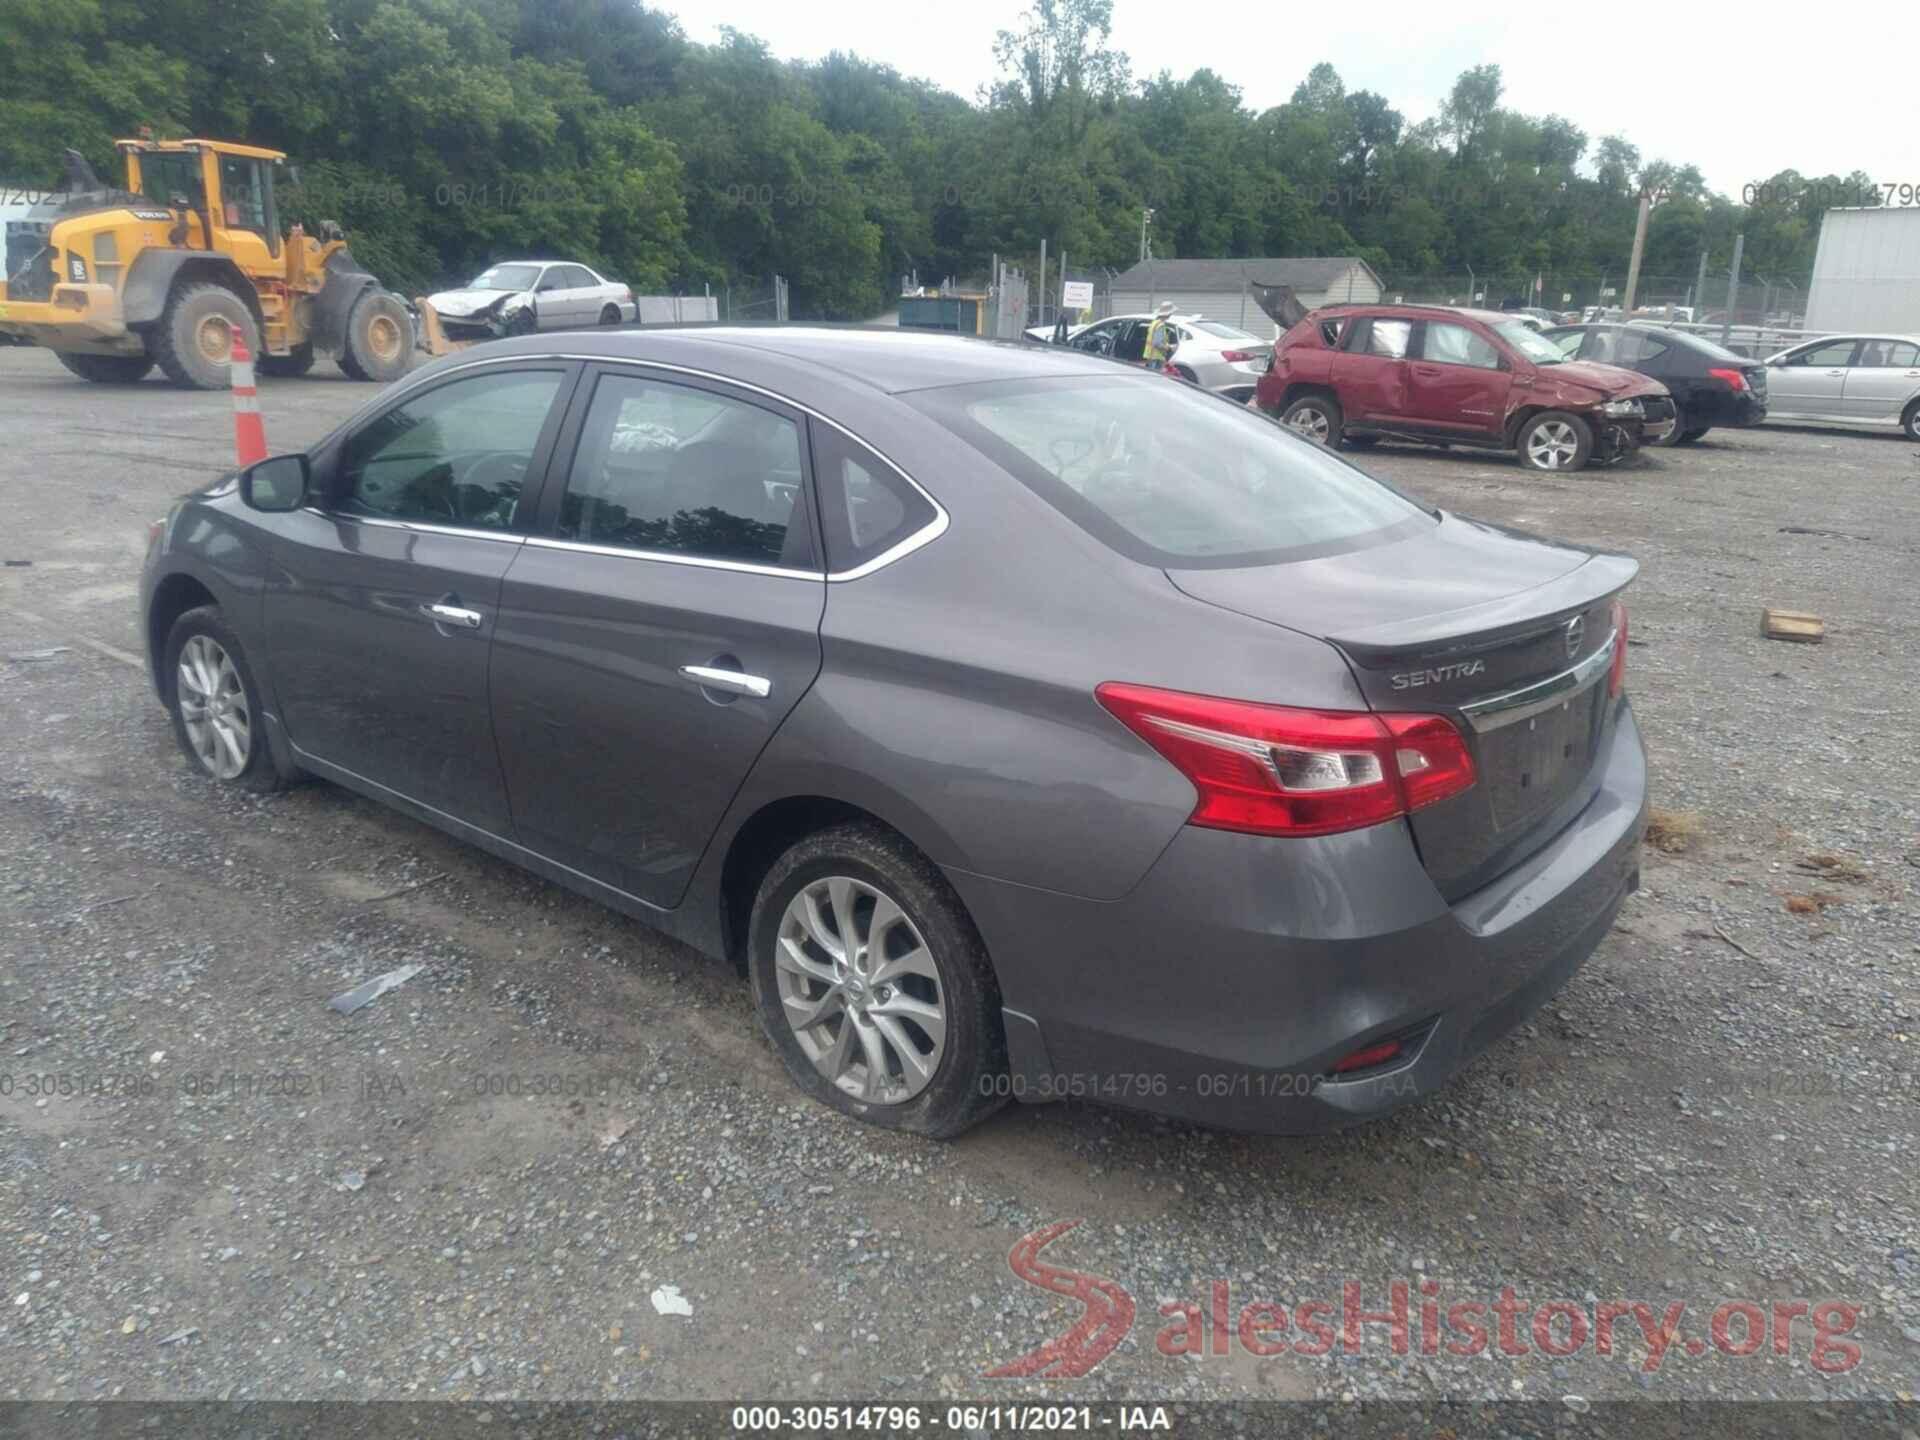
(1276, 770)
(1367, 1056)
(1617, 675)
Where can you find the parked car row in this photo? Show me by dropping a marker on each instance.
(1568, 396)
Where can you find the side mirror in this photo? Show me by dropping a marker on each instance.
(276, 484)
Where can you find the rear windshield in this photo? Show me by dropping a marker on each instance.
(1171, 476)
(1706, 348)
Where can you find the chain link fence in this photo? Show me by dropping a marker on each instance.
(1761, 299)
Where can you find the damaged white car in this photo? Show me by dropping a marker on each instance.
(522, 296)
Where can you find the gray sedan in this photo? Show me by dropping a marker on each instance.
(1020, 725)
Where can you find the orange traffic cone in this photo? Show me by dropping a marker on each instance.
(249, 433)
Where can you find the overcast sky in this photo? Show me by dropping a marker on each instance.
(1726, 103)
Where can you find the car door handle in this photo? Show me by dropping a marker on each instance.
(734, 682)
(1836, 372)
(443, 614)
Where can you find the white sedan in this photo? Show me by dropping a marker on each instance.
(522, 296)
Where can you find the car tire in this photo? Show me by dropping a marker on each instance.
(1555, 442)
(1689, 436)
(227, 740)
(194, 336)
(1315, 417)
(379, 337)
(609, 314)
(855, 1008)
(522, 322)
(1910, 422)
(1676, 434)
(296, 362)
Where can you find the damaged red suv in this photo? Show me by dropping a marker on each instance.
(1357, 374)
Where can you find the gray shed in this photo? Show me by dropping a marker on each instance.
(1222, 289)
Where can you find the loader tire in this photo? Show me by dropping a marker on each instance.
(194, 336)
(107, 369)
(379, 338)
(296, 361)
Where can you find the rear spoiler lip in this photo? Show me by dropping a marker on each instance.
(1494, 623)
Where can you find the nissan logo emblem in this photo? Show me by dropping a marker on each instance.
(1576, 632)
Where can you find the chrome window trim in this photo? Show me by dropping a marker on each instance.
(1513, 706)
(668, 557)
(510, 537)
(906, 545)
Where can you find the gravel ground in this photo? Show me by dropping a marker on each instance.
(475, 1186)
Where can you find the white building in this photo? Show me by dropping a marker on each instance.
(1224, 289)
(1866, 273)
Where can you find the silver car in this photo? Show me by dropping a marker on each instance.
(1867, 380)
(1214, 355)
(522, 296)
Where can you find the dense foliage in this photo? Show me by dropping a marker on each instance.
(448, 133)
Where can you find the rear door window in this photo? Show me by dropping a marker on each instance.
(676, 470)
(1888, 355)
(1389, 338)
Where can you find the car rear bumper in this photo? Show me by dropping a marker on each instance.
(1227, 984)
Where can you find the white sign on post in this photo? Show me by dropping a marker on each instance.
(1076, 295)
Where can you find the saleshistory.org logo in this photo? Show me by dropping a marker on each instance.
(1412, 1315)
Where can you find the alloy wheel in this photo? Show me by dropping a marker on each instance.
(1311, 422)
(213, 707)
(1552, 446)
(860, 990)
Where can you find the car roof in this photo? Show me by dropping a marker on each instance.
(1416, 312)
(880, 358)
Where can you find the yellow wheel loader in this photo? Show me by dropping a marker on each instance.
(189, 256)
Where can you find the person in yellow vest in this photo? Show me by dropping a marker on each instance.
(1160, 338)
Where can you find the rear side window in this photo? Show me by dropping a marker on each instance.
(1888, 355)
(866, 508)
(1389, 338)
(668, 468)
(1172, 477)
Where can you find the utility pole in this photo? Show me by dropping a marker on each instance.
(1697, 298)
(1733, 285)
(1639, 244)
(1145, 215)
(1043, 280)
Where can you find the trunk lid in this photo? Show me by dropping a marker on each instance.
(1507, 635)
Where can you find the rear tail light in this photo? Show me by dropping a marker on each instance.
(1617, 675)
(1733, 378)
(1276, 770)
(1239, 357)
